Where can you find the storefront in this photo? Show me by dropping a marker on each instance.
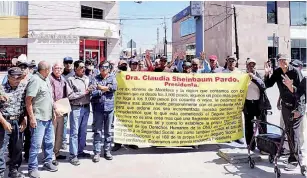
(8, 52)
(92, 49)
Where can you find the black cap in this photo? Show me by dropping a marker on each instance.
(15, 71)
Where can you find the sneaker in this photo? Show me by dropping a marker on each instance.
(34, 174)
(15, 174)
(50, 167)
(64, 146)
(239, 141)
(75, 161)
(116, 147)
(96, 158)
(108, 155)
(61, 157)
(290, 166)
(2, 175)
(84, 155)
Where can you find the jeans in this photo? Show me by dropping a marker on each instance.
(43, 133)
(15, 140)
(78, 128)
(103, 126)
(65, 129)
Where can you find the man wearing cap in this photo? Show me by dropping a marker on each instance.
(89, 68)
(68, 72)
(288, 102)
(32, 67)
(68, 67)
(256, 103)
(13, 122)
(39, 103)
(134, 65)
(122, 65)
(80, 105)
(231, 62)
(186, 67)
(214, 67)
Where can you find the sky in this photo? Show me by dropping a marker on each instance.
(144, 32)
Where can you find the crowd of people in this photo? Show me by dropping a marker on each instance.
(31, 118)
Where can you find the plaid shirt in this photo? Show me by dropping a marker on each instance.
(15, 106)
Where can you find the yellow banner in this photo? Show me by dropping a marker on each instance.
(172, 109)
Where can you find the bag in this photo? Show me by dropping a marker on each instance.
(267, 143)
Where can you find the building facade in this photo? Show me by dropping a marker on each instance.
(52, 30)
(183, 33)
(264, 29)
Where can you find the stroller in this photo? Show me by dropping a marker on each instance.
(272, 144)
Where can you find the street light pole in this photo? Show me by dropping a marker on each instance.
(236, 30)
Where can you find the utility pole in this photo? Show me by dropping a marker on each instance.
(236, 35)
(131, 48)
(165, 41)
(157, 46)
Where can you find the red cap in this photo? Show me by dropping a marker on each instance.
(213, 57)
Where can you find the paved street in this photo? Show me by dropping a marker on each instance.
(171, 162)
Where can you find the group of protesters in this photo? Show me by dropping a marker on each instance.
(31, 117)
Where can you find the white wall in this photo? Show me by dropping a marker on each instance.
(60, 18)
(64, 18)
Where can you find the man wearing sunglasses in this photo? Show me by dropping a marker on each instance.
(68, 72)
(68, 67)
(13, 122)
(103, 95)
(78, 117)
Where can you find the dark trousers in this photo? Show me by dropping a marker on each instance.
(15, 139)
(27, 141)
(252, 110)
(292, 127)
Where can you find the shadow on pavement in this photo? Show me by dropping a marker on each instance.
(168, 150)
(244, 171)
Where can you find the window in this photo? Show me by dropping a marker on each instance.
(92, 13)
(86, 12)
(97, 13)
(272, 12)
(188, 27)
(298, 49)
(297, 13)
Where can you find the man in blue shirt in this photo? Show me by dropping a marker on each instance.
(104, 86)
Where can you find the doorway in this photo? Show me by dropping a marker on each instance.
(92, 54)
